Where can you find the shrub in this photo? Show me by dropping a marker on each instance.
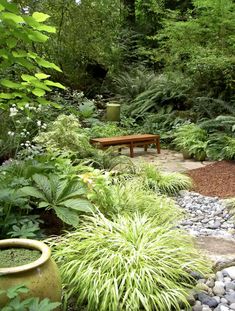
(164, 182)
(127, 264)
(221, 147)
(66, 134)
(107, 129)
(191, 139)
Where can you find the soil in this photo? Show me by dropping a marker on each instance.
(217, 179)
(14, 257)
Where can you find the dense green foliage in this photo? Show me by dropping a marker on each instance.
(170, 64)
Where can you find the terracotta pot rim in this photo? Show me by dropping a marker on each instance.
(30, 244)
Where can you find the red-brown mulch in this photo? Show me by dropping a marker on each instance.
(217, 179)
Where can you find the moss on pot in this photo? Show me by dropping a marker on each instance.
(14, 257)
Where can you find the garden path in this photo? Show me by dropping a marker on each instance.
(168, 160)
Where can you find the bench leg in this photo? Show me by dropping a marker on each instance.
(145, 147)
(131, 150)
(119, 150)
(158, 145)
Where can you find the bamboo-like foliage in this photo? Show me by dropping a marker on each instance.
(127, 264)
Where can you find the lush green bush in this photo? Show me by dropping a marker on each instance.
(107, 129)
(221, 146)
(66, 134)
(129, 264)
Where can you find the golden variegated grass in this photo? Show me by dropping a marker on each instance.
(169, 183)
(127, 264)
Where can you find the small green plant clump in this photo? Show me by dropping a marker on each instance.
(14, 257)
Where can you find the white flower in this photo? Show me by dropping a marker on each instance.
(13, 111)
(39, 123)
(27, 105)
(11, 133)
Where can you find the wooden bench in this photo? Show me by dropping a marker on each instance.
(130, 141)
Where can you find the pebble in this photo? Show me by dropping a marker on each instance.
(207, 216)
(217, 293)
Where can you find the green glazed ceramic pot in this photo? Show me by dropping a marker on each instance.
(40, 276)
(113, 112)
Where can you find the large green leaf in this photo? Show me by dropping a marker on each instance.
(33, 192)
(37, 36)
(67, 215)
(43, 184)
(56, 84)
(44, 63)
(12, 17)
(28, 78)
(11, 42)
(38, 92)
(80, 205)
(41, 76)
(10, 84)
(40, 17)
(19, 53)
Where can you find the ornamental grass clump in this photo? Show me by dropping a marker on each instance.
(164, 182)
(127, 264)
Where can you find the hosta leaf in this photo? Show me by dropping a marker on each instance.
(39, 92)
(56, 84)
(40, 17)
(1, 8)
(67, 215)
(41, 76)
(79, 205)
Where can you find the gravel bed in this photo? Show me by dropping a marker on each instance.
(205, 216)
